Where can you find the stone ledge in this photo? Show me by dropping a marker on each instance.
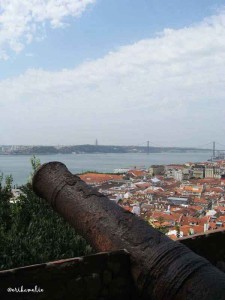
(103, 276)
(210, 245)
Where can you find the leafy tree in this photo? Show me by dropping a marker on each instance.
(162, 228)
(35, 164)
(177, 227)
(31, 232)
(5, 207)
(161, 220)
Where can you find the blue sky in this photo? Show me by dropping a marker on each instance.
(120, 71)
(103, 27)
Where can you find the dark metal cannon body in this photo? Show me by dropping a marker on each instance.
(161, 268)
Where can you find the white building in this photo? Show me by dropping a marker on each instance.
(178, 175)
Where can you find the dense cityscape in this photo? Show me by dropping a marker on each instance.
(180, 200)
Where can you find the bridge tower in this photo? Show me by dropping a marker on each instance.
(214, 149)
(148, 147)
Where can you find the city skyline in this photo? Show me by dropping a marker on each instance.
(213, 146)
(116, 70)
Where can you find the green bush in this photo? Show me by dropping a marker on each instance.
(31, 232)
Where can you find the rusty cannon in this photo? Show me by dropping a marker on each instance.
(161, 268)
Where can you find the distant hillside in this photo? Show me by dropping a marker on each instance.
(81, 149)
(35, 150)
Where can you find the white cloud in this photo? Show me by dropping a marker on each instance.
(169, 89)
(29, 54)
(20, 21)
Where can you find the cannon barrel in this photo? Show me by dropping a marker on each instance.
(160, 267)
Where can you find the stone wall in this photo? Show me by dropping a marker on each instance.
(210, 245)
(103, 276)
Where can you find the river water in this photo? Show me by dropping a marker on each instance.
(20, 167)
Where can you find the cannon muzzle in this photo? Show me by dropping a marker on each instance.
(161, 268)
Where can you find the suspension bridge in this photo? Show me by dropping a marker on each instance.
(215, 151)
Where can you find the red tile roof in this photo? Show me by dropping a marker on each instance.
(185, 229)
(99, 177)
(220, 209)
(193, 189)
(203, 220)
(174, 217)
(137, 173)
(209, 181)
(195, 207)
(200, 201)
(188, 220)
(221, 219)
(212, 225)
(198, 228)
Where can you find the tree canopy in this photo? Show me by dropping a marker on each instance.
(30, 231)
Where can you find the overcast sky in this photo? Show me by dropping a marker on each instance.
(121, 71)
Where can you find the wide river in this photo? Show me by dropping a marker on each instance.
(20, 167)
